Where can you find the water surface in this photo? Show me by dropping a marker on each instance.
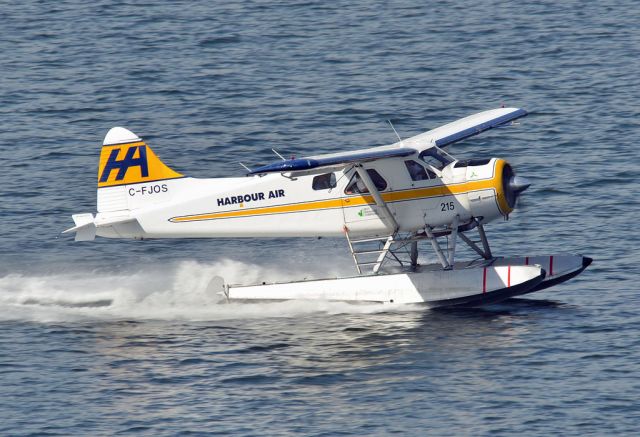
(123, 337)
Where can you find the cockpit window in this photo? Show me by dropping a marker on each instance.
(324, 181)
(418, 172)
(436, 157)
(356, 184)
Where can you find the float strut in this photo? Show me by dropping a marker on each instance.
(454, 237)
(485, 252)
(414, 255)
(437, 249)
(485, 242)
(473, 245)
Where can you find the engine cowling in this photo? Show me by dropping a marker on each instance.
(498, 195)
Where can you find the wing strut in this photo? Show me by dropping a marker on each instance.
(387, 218)
(377, 197)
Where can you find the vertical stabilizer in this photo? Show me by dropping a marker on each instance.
(126, 160)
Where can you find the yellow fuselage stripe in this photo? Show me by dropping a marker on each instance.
(393, 196)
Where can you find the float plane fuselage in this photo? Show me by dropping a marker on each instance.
(417, 184)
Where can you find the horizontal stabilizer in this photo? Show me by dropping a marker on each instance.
(84, 228)
(86, 225)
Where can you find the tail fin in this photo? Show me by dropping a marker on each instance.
(125, 160)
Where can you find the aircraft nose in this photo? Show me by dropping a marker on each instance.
(519, 184)
(512, 186)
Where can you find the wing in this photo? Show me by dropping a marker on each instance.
(334, 160)
(465, 127)
(441, 137)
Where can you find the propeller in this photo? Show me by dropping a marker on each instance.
(519, 184)
(513, 185)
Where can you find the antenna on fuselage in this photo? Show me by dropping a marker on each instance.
(279, 155)
(396, 132)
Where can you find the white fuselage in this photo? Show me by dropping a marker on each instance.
(274, 205)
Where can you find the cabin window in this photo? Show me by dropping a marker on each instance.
(324, 181)
(436, 157)
(357, 186)
(418, 172)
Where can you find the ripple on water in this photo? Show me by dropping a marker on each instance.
(121, 337)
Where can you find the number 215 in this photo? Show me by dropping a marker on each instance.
(447, 206)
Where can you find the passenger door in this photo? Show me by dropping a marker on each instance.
(361, 214)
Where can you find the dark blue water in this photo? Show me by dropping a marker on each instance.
(123, 337)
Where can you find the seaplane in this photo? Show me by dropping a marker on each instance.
(388, 202)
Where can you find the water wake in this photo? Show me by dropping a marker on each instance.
(177, 292)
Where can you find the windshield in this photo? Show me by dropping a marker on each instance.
(436, 157)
